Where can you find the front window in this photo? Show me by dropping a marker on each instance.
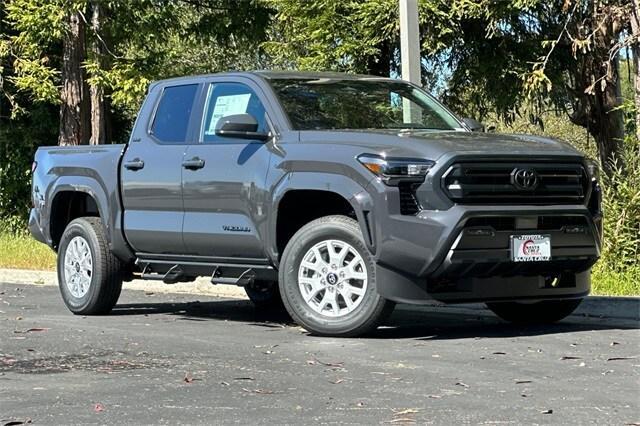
(327, 103)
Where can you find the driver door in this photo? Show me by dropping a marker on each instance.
(224, 192)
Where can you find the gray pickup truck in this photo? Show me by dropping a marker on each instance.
(334, 195)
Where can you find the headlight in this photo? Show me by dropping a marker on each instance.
(593, 169)
(395, 170)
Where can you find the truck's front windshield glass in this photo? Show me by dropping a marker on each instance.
(327, 103)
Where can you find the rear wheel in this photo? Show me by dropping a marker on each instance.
(89, 275)
(265, 295)
(544, 312)
(328, 279)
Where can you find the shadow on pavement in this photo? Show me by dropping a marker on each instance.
(436, 324)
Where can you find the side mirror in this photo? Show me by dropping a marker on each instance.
(240, 126)
(473, 125)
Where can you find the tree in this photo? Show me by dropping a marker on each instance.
(95, 58)
(74, 117)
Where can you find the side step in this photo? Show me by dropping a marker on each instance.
(172, 271)
(245, 278)
(172, 276)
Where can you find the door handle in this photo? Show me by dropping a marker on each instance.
(135, 164)
(194, 164)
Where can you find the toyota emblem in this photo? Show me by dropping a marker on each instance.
(524, 179)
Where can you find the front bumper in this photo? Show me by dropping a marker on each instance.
(441, 255)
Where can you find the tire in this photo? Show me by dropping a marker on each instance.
(544, 312)
(265, 295)
(91, 283)
(328, 313)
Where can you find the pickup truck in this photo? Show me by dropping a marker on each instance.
(333, 195)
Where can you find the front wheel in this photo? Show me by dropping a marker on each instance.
(328, 279)
(543, 312)
(89, 275)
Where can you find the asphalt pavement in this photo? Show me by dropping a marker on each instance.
(194, 359)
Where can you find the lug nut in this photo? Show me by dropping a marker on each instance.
(334, 267)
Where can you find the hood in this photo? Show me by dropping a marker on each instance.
(434, 144)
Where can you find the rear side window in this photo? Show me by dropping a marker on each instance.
(171, 121)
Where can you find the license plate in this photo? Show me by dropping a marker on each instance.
(530, 248)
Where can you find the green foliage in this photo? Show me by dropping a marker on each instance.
(618, 270)
(622, 212)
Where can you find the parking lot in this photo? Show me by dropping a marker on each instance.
(167, 358)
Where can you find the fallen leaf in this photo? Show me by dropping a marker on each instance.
(18, 318)
(620, 358)
(520, 382)
(546, 412)
(614, 343)
(464, 385)
(566, 357)
(327, 364)
(243, 378)
(259, 391)
(336, 382)
(403, 412)
(188, 378)
(224, 383)
(499, 353)
(98, 407)
(434, 396)
(360, 404)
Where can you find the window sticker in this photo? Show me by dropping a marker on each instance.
(227, 105)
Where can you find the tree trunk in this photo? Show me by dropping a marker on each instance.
(98, 104)
(598, 108)
(74, 120)
(608, 130)
(635, 51)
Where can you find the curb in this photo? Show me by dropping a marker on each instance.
(627, 308)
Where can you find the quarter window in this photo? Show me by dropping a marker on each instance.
(171, 121)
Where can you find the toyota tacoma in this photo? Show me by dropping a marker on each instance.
(333, 195)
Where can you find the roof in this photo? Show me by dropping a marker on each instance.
(275, 75)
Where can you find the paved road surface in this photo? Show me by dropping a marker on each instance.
(167, 359)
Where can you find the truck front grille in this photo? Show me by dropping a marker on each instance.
(512, 182)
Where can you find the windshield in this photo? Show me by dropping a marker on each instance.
(326, 103)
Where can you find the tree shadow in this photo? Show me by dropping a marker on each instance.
(436, 324)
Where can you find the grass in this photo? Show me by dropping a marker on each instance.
(615, 283)
(23, 252)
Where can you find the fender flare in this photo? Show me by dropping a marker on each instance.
(355, 194)
(86, 185)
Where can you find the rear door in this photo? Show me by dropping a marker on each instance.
(224, 193)
(152, 171)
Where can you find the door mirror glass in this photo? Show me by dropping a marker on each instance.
(240, 126)
(473, 125)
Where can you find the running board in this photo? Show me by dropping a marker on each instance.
(171, 271)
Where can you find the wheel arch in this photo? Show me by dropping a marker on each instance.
(308, 191)
(70, 200)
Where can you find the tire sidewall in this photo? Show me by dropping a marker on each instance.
(298, 246)
(82, 229)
